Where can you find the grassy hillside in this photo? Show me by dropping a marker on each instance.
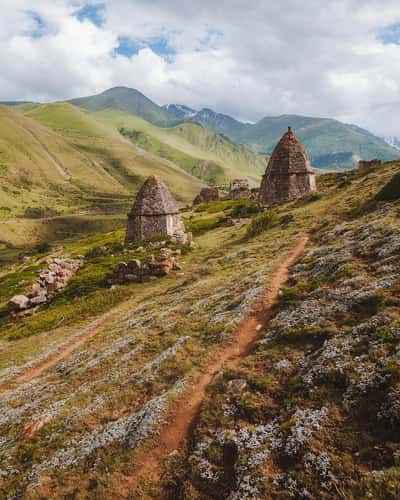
(311, 410)
(197, 149)
(127, 100)
(60, 159)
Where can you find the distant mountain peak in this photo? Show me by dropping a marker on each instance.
(179, 111)
(126, 99)
(393, 141)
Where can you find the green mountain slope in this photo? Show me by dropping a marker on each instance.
(200, 151)
(58, 156)
(128, 100)
(330, 143)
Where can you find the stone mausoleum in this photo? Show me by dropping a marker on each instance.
(154, 214)
(289, 175)
(238, 189)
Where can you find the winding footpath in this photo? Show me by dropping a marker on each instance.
(185, 409)
(28, 374)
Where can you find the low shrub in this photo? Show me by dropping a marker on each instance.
(391, 190)
(39, 213)
(199, 226)
(309, 199)
(244, 208)
(380, 485)
(42, 247)
(289, 294)
(262, 223)
(370, 304)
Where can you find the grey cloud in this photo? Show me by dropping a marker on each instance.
(312, 57)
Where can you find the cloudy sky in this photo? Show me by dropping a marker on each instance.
(247, 58)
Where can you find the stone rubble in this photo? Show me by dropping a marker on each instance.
(136, 271)
(51, 280)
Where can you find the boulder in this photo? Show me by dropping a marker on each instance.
(179, 238)
(38, 299)
(18, 303)
(165, 253)
(236, 386)
(36, 290)
(134, 266)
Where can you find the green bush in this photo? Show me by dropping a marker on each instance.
(39, 213)
(391, 191)
(382, 485)
(42, 247)
(289, 294)
(261, 223)
(371, 304)
(205, 224)
(244, 208)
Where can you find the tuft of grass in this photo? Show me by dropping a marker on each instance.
(380, 485)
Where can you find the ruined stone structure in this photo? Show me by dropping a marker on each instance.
(239, 188)
(289, 175)
(206, 194)
(51, 281)
(365, 164)
(154, 214)
(137, 271)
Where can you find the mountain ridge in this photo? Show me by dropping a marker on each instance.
(331, 144)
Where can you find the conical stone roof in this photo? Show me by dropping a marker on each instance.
(154, 198)
(289, 157)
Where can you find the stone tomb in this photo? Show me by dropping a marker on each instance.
(289, 175)
(154, 214)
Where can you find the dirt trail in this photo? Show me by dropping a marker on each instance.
(186, 408)
(35, 371)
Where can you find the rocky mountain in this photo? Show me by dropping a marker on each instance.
(393, 141)
(331, 144)
(179, 110)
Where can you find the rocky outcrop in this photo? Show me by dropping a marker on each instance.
(206, 194)
(50, 281)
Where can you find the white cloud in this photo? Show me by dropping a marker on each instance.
(242, 57)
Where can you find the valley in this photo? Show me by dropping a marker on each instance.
(212, 381)
(199, 250)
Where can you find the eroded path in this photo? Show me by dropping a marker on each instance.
(31, 372)
(187, 407)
